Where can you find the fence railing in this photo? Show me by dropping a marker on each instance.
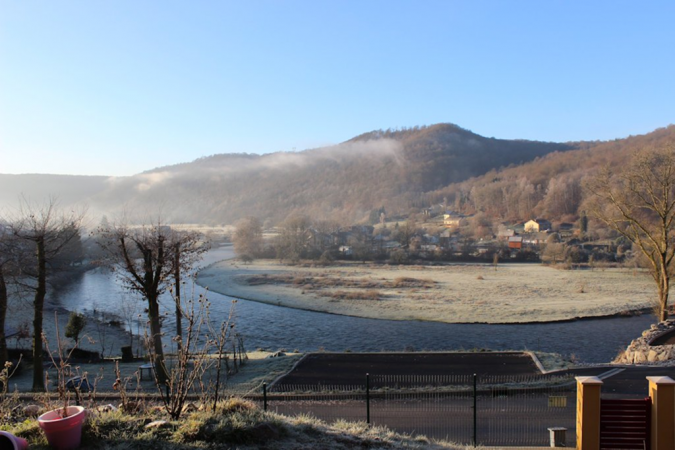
(480, 410)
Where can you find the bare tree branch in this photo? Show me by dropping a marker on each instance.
(639, 203)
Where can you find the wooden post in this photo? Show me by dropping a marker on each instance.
(662, 393)
(588, 413)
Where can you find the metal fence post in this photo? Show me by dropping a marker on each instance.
(264, 396)
(368, 398)
(475, 411)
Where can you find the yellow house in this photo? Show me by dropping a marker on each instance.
(452, 219)
(537, 225)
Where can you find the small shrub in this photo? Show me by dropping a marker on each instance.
(235, 404)
(76, 323)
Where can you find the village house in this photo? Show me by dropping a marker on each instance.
(503, 234)
(536, 238)
(346, 250)
(452, 219)
(445, 238)
(537, 225)
(516, 242)
(566, 227)
(391, 245)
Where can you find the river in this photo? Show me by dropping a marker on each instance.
(273, 327)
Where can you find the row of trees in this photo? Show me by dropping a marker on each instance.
(297, 237)
(149, 260)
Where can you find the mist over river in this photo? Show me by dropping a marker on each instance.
(273, 327)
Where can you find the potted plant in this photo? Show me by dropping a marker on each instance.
(63, 426)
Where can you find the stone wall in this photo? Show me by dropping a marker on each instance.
(640, 352)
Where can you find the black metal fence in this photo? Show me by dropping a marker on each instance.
(481, 410)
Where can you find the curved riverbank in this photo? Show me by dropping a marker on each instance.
(271, 327)
(458, 294)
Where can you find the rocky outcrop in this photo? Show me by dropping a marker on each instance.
(641, 352)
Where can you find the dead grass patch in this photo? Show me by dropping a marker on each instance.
(325, 281)
(354, 295)
(407, 282)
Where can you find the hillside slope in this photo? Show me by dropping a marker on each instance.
(400, 170)
(549, 186)
(343, 182)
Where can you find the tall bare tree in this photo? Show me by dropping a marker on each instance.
(149, 260)
(8, 266)
(639, 203)
(13, 257)
(187, 248)
(3, 307)
(141, 259)
(46, 229)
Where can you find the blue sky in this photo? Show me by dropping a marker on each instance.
(115, 88)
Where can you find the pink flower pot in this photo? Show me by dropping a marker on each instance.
(11, 442)
(63, 433)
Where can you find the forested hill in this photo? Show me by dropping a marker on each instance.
(550, 186)
(345, 182)
(400, 170)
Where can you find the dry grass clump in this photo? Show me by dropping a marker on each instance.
(354, 295)
(407, 282)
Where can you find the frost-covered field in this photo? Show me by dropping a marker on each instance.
(458, 293)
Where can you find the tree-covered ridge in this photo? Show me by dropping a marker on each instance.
(345, 182)
(549, 186)
(400, 170)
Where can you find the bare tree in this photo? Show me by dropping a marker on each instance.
(128, 311)
(248, 237)
(639, 203)
(141, 259)
(8, 266)
(148, 259)
(3, 312)
(47, 230)
(187, 248)
(294, 236)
